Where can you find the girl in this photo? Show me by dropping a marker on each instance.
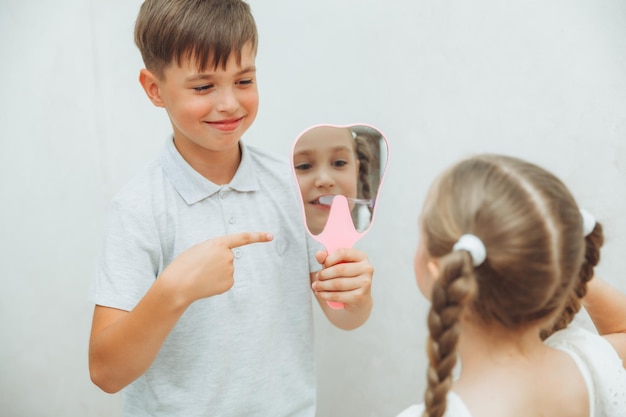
(505, 262)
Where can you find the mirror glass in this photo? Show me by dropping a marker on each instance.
(333, 160)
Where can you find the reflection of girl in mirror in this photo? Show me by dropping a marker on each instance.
(362, 212)
(329, 161)
(504, 256)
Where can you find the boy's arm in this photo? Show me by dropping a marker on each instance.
(607, 308)
(124, 344)
(346, 277)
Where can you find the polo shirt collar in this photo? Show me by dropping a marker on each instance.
(193, 187)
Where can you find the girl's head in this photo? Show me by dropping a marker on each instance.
(534, 272)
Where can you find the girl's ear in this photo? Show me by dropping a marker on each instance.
(150, 85)
(433, 268)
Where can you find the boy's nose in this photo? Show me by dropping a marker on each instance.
(227, 101)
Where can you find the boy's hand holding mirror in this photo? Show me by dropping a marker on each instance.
(339, 170)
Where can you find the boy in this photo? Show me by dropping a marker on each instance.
(196, 314)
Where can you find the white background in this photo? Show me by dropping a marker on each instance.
(543, 80)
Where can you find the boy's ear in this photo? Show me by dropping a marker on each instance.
(150, 85)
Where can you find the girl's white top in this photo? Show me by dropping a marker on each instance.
(597, 361)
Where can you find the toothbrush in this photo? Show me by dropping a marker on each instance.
(328, 199)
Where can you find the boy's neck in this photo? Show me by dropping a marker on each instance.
(219, 167)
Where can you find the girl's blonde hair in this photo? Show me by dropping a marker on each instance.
(538, 261)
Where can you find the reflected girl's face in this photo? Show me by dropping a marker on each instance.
(325, 163)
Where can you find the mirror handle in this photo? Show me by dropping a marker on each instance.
(339, 232)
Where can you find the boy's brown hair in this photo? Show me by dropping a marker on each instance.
(205, 31)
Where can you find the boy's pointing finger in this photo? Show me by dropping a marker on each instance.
(246, 238)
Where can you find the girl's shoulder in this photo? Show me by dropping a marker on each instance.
(455, 408)
(601, 362)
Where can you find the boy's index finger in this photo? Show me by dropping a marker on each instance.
(246, 238)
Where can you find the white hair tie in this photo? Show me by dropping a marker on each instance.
(474, 246)
(589, 222)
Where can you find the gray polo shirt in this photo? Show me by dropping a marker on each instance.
(249, 351)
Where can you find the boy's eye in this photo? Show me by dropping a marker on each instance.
(247, 81)
(203, 88)
(303, 166)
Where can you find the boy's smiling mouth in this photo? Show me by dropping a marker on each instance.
(226, 125)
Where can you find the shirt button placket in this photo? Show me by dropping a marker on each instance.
(230, 218)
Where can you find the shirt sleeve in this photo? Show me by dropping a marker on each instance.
(130, 258)
(313, 246)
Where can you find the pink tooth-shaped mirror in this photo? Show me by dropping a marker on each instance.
(339, 171)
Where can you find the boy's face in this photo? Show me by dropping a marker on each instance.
(209, 110)
(325, 163)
